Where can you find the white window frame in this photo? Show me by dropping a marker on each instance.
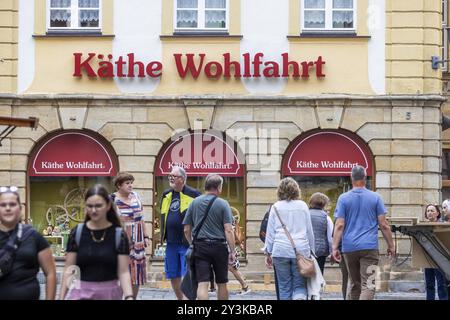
(201, 13)
(74, 21)
(329, 17)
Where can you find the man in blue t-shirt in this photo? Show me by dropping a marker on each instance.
(358, 214)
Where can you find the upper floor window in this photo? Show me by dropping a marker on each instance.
(334, 15)
(201, 15)
(74, 14)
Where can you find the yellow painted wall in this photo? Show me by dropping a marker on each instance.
(214, 48)
(345, 69)
(54, 61)
(413, 35)
(8, 45)
(55, 66)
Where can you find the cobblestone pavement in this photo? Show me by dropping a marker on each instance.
(165, 294)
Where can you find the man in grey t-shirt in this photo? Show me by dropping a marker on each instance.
(214, 245)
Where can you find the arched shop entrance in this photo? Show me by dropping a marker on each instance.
(322, 160)
(200, 153)
(61, 167)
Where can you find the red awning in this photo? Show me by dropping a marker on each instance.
(200, 154)
(326, 153)
(73, 154)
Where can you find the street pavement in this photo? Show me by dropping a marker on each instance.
(147, 293)
(166, 294)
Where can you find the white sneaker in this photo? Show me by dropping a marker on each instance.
(244, 291)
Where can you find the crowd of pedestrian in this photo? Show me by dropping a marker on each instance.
(106, 253)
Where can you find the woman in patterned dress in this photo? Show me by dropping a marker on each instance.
(131, 212)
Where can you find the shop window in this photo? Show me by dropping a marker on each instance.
(201, 15)
(233, 191)
(333, 187)
(200, 153)
(74, 14)
(61, 168)
(322, 160)
(57, 206)
(328, 15)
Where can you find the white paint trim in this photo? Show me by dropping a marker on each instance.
(376, 22)
(26, 46)
(269, 38)
(137, 27)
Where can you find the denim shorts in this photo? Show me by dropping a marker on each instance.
(175, 262)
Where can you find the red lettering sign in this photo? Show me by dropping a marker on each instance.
(326, 153)
(194, 65)
(200, 154)
(72, 154)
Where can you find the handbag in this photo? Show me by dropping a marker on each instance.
(305, 265)
(189, 284)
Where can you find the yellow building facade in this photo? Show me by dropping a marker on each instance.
(265, 76)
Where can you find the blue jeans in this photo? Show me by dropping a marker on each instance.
(291, 285)
(431, 277)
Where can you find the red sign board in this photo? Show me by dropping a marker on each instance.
(72, 154)
(326, 153)
(200, 154)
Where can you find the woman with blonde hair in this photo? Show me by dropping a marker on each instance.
(295, 215)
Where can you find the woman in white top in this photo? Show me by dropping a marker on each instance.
(295, 215)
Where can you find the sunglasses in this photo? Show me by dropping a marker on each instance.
(9, 189)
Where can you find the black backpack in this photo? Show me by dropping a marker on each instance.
(263, 227)
(118, 235)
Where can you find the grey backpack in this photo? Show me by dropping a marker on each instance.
(80, 230)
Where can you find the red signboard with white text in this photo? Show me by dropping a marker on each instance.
(326, 153)
(200, 154)
(72, 154)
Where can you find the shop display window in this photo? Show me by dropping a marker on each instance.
(57, 206)
(333, 187)
(233, 191)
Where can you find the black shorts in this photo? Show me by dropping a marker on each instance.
(209, 254)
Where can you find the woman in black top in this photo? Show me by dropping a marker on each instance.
(94, 257)
(33, 252)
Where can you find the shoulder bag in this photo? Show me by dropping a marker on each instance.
(305, 265)
(189, 283)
